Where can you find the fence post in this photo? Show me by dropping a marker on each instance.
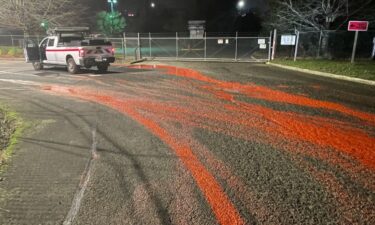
(320, 43)
(236, 52)
(11, 36)
(296, 48)
(123, 46)
(176, 45)
(274, 44)
(354, 46)
(149, 43)
(139, 48)
(205, 46)
(269, 47)
(125, 50)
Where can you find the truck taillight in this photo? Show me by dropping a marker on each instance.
(82, 53)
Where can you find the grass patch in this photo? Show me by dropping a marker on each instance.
(11, 52)
(361, 69)
(12, 127)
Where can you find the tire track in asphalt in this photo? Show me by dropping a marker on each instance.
(164, 218)
(222, 207)
(84, 183)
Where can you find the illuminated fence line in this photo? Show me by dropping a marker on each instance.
(238, 47)
(217, 48)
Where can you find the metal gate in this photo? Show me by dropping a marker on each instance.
(218, 48)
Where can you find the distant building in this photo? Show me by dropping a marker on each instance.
(197, 28)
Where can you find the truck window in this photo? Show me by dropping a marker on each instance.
(44, 43)
(51, 42)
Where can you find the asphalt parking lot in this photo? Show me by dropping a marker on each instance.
(188, 143)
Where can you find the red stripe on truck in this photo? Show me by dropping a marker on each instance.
(63, 50)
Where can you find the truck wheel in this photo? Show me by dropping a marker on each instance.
(72, 66)
(37, 66)
(103, 68)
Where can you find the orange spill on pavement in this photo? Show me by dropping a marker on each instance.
(291, 126)
(261, 92)
(213, 106)
(222, 207)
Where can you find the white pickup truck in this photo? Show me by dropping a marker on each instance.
(67, 46)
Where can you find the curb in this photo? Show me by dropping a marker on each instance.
(324, 74)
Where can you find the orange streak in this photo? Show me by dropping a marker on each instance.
(261, 92)
(222, 207)
(219, 111)
(319, 131)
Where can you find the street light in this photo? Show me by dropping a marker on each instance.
(112, 2)
(153, 5)
(241, 4)
(44, 24)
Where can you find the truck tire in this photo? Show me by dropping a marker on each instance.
(72, 66)
(37, 66)
(103, 68)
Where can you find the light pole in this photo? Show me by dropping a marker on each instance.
(112, 2)
(241, 7)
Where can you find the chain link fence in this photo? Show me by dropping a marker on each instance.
(12, 45)
(325, 45)
(182, 47)
(223, 47)
(178, 46)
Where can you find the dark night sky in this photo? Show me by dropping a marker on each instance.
(172, 15)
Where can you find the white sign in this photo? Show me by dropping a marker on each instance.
(288, 39)
(261, 41)
(222, 41)
(263, 46)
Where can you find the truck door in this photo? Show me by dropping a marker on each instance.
(31, 51)
(50, 50)
(42, 49)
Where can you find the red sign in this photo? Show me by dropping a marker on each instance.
(358, 26)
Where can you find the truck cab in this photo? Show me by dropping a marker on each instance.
(68, 47)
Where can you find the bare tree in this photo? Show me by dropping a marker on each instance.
(27, 15)
(318, 14)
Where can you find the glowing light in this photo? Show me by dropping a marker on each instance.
(241, 4)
